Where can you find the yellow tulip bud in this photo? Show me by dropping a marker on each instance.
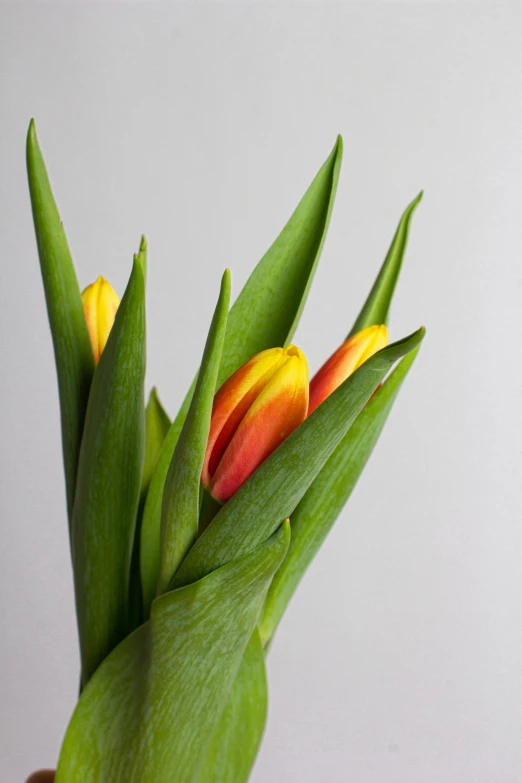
(100, 303)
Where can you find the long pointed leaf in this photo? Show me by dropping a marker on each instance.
(273, 491)
(323, 502)
(264, 315)
(180, 511)
(108, 488)
(150, 711)
(267, 311)
(375, 309)
(72, 347)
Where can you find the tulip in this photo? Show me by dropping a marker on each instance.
(352, 353)
(100, 303)
(254, 411)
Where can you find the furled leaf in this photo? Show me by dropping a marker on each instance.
(157, 424)
(72, 347)
(375, 309)
(150, 545)
(325, 498)
(180, 511)
(237, 737)
(264, 315)
(149, 712)
(108, 488)
(273, 491)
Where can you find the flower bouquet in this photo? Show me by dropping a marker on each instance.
(189, 537)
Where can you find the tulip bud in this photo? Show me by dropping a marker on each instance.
(352, 353)
(100, 303)
(254, 411)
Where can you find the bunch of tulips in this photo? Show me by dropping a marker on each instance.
(189, 536)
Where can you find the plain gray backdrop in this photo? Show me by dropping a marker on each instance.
(400, 658)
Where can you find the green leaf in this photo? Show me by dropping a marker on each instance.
(180, 511)
(377, 305)
(267, 311)
(264, 315)
(157, 425)
(323, 502)
(235, 742)
(142, 256)
(273, 491)
(72, 346)
(150, 545)
(149, 712)
(109, 477)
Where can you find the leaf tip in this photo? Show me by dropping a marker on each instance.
(32, 140)
(143, 243)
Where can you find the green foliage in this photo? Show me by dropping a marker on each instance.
(150, 710)
(264, 315)
(273, 491)
(375, 309)
(182, 697)
(109, 480)
(157, 425)
(237, 737)
(180, 512)
(72, 346)
(324, 500)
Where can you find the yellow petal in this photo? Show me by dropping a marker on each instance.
(100, 303)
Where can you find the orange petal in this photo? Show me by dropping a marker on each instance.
(278, 410)
(100, 304)
(348, 358)
(232, 402)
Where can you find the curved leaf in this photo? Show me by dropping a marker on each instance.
(264, 315)
(323, 502)
(108, 487)
(375, 309)
(180, 510)
(273, 491)
(150, 711)
(72, 346)
(235, 742)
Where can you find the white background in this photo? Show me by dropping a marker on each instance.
(400, 659)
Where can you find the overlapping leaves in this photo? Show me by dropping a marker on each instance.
(183, 697)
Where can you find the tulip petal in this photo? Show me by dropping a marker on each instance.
(352, 353)
(100, 302)
(232, 402)
(278, 410)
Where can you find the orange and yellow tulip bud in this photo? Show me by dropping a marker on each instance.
(352, 353)
(254, 411)
(100, 303)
